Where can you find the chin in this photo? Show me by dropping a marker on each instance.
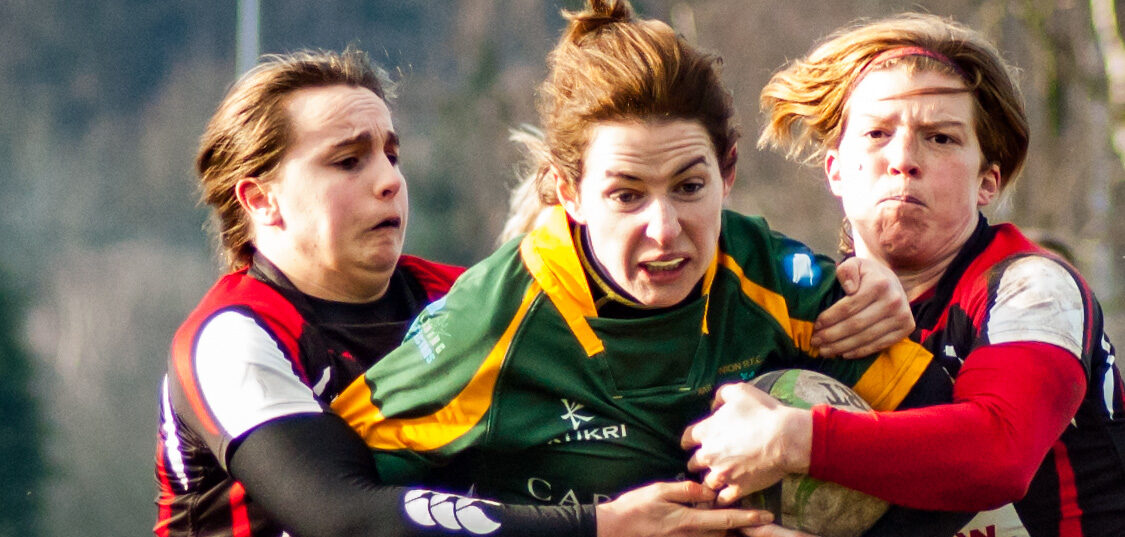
(665, 299)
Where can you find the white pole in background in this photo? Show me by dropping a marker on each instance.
(246, 40)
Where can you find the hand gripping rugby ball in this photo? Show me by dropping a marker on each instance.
(799, 501)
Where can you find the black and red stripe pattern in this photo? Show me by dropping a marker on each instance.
(1079, 490)
(326, 346)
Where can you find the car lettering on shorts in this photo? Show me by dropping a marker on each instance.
(544, 491)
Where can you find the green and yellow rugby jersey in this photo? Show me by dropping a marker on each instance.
(513, 386)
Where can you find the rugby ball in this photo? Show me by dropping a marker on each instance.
(799, 501)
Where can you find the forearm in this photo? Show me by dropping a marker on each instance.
(316, 477)
(1011, 402)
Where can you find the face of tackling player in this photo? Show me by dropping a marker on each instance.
(337, 205)
(909, 167)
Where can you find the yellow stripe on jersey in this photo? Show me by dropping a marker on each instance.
(708, 279)
(447, 424)
(884, 384)
(891, 376)
(551, 258)
(799, 331)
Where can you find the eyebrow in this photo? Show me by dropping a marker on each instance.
(359, 139)
(876, 118)
(365, 138)
(694, 162)
(931, 90)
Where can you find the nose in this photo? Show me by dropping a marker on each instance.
(388, 180)
(902, 157)
(663, 225)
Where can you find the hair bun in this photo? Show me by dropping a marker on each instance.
(598, 13)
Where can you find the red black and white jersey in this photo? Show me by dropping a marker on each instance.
(1002, 288)
(254, 350)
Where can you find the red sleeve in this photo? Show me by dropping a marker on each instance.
(1011, 402)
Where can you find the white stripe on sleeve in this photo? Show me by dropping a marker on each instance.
(1037, 300)
(244, 377)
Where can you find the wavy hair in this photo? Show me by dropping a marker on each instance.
(610, 66)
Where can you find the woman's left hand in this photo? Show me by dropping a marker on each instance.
(872, 316)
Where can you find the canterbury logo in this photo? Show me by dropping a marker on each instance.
(450, 511)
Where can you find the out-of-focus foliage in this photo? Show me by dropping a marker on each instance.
(102, 104)
(21, 427)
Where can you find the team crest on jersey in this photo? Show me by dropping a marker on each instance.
(581, 430)
(802, 269)
(428, 330)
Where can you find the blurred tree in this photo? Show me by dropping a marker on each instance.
(1107, 27)
(21, 435)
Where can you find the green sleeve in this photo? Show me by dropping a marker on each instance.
(431, 398)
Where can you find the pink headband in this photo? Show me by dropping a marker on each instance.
(891, 54)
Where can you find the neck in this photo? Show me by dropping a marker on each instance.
(324, 282)
(917, 281)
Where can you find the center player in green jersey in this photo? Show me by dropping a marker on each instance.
(564, 368)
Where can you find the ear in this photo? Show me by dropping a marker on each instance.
(989, 185)
(727, 169)
(568, 196)
(832, 172)
(257, 201)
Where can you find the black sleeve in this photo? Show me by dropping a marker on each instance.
(317, 478)
(899, 521)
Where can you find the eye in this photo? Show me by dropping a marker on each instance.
(875, 134)
(392, 157)
(691, 187)
(942, 138)
(624, 197)
(347, 163)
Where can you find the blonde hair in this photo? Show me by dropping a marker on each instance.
(806, 102)
(609, 66)
(249, 132)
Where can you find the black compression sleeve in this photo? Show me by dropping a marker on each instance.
(316, 478)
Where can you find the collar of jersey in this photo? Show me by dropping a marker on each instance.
(551, 257)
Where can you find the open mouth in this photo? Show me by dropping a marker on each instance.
(666, 265)
(394, 222)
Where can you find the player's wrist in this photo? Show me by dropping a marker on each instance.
(606, 518)
(798, 440)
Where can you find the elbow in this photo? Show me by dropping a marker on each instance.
(356, 525)
(1001, 481)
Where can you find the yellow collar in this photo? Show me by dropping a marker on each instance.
(552, 258)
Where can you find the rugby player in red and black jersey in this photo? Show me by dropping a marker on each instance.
(920, 125)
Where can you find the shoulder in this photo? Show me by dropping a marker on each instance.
(483, 299)
(240, 292)
(777, 263)
(435, 278)
(1033, 297)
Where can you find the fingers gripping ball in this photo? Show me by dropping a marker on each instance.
(807, 504)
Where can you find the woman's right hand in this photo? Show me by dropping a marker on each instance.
(668, 510)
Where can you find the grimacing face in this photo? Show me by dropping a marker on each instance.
(338, 197)
(651, 197)
(909, 168)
